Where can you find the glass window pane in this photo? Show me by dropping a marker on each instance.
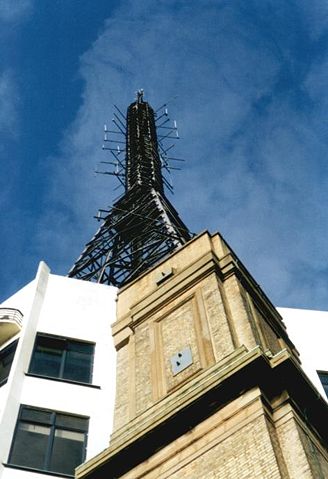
(67, 451)
(30, 445)
(62, 358)
(72, 422)
(36, 415)
(324, 381)
(49, 447)
(51, 342)
(47, 357)
(86, 348)
(78, 365)
(6, 359)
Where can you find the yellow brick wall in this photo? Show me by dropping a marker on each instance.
(197, 319)
(277, 449)
(243, 440)
(177, 331)
(270, 337)
(315, 455)
(232, 444)
(210, 316)
(121, 411)
(246, 454)
(211, 306)
(142, 360)
(240, 314)
(294, 454)
(217, 314)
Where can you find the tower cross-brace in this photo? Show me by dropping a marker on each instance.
(142, 227)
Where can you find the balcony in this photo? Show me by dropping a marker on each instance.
(10, 323)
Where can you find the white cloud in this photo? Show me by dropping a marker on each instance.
(15, 10)
(254, 156)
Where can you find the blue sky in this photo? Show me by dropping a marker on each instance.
(248, 87)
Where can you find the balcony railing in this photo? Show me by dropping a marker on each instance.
(10, 323)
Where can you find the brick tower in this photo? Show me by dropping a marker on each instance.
(209, 384)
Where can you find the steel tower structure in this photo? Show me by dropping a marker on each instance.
(142, 227)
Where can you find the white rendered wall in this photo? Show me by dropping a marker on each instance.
(309, 332)
(70, 308)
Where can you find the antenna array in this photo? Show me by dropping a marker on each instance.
(115, 143)
(142, 226)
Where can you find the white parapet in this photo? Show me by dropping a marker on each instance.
(10, 324)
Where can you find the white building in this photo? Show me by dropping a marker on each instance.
(56, 402)
(308, 330)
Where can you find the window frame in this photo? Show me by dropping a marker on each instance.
(322, 373)
(8, 349)
(49, 440)
(63, 361)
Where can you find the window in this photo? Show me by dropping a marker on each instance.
(6, 358)
(62, 358)
(48, 441)
(323, 375)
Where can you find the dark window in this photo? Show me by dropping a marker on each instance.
(323, 375)
(62, 358)
(6, 358)
(49, 441)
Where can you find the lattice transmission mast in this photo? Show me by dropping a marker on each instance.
(142, 227)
